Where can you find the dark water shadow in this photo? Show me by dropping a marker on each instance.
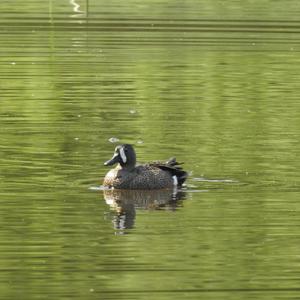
(124, 203)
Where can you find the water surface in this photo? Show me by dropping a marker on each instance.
(215, 84)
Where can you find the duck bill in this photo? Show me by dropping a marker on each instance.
(115, 159)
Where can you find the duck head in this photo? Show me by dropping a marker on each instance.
(124, 155)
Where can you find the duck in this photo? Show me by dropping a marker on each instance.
(129, 175)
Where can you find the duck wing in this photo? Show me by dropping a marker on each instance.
(173, 167)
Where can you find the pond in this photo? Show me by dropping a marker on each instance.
(214, 83)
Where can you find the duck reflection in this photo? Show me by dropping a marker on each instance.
(125, 202)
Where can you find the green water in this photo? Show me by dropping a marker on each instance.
(214, 83)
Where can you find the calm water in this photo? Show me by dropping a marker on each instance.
(214, 83)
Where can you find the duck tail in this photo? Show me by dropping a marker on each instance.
(174, 168)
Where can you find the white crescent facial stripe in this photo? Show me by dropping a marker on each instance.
(123, 156)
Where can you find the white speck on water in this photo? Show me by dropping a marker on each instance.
(140, 142)
(13, 63)
(76, 139)
(214, 180)
(97, 188)
(132, 111)
(92, 290)
(113, 140)
(79, 116)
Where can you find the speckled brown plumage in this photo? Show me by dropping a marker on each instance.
(142, 177)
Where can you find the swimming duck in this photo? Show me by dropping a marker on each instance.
(128, 175)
